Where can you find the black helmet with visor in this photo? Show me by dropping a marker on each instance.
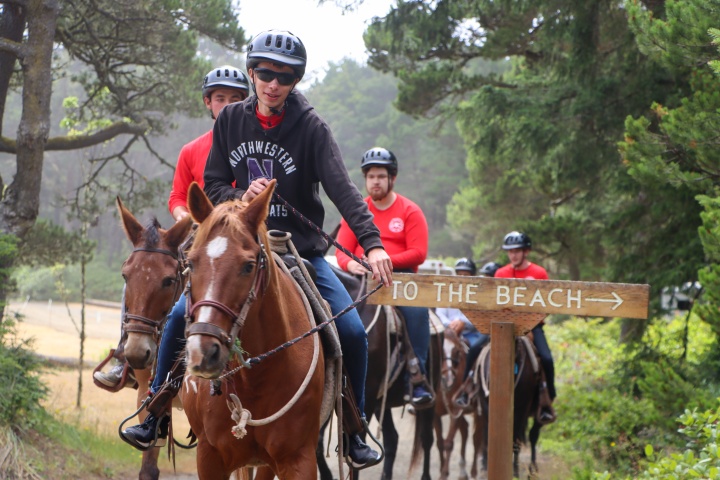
(516, 240)
(225, 76)
(277, 46)
(380, 157)
(466, 265)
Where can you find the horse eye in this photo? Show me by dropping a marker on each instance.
(248, 268)
(168, 281)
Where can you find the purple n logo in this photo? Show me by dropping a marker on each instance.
(255, 170)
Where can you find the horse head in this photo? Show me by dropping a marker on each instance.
(153, 283)
(228, 267)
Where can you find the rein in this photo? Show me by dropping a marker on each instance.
(150, 326)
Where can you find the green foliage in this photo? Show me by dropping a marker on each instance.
(701, 459)
(614, 398)
(22, 389)
(42, 283)
(47, 244)
(357, 104)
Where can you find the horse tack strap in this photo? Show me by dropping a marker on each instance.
(238, 318)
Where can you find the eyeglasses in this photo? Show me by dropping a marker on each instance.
(267, 75)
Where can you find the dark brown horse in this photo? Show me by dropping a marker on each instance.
(238, 293)
(381, 344)
(153, 283)
(451, 381)
(527, 391)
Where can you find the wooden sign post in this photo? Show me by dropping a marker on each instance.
(505, 308)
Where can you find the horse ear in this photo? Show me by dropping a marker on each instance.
(257, 210)
(132, 227)
(198, 203)
(178, 232)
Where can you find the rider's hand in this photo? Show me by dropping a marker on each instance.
(457, 326)
(256, 188)
(381, 266)
(356, 269)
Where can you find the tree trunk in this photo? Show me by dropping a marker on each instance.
(20, 203)
(12, 23)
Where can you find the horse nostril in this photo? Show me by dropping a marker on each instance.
(215, 356)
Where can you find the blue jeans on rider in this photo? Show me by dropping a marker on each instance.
(476, 342)
(353, 338)
(545, 358)
(417, 321)
(172, 343)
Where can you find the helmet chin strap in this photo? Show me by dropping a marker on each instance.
(275, 111)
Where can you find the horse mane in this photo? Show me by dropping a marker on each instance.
(226, 215)
(151, 233)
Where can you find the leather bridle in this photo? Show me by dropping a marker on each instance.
(204, 328)
(149, 326)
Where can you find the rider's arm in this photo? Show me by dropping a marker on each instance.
(346, 238)
(219, 176)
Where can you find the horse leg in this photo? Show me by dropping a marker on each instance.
(440, 444)
(534, 435)
(264, 473)
(210, 465)
(425, 424)
(516, 460)
(323, 468)
(463, 427)
(390, 435)
(149, 469)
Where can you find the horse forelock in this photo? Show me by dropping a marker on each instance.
(151, 233)
(227, 218)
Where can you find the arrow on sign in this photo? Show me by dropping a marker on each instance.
(617, 301)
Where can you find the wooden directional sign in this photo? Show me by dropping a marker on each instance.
(516, 295)
(505, 307)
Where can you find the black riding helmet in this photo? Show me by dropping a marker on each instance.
(489, 269)
(225, 76)
(516, 240)
(278, 46)
(380, 157)
(467, 265)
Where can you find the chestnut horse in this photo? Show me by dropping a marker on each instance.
(153, 283)
(242, 302)
(527, 391)
(448, 387)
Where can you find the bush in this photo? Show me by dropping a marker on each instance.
(615, 398)
(22, 389)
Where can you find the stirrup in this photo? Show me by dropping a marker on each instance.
(123, 378)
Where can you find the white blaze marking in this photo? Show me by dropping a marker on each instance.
(215, 249)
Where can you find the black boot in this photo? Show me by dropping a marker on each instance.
(152, 432)
(360, 454)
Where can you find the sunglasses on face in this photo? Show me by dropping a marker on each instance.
(267, 75)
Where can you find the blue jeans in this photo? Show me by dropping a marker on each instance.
(417, 321)
(172, 343)
(545, 358)
(476, 343)
(353, 338)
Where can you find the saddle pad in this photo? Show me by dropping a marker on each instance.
(435, 324)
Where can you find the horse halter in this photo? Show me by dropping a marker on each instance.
(238, 319)
(149, 326)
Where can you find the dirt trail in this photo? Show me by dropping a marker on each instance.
(55, 335)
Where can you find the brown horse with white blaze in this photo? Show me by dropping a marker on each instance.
(153, 283)
(238, 293)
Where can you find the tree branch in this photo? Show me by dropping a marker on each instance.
(8, 145)
(11, 47)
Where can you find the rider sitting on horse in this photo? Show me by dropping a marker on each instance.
(456, 320)
(222, 85)
(404, 233)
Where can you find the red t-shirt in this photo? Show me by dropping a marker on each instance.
(532, 272)
(190, 168)
(403, 232)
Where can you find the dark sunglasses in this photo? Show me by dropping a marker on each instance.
(267, 75)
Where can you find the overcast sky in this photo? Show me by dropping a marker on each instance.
(328, 35)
